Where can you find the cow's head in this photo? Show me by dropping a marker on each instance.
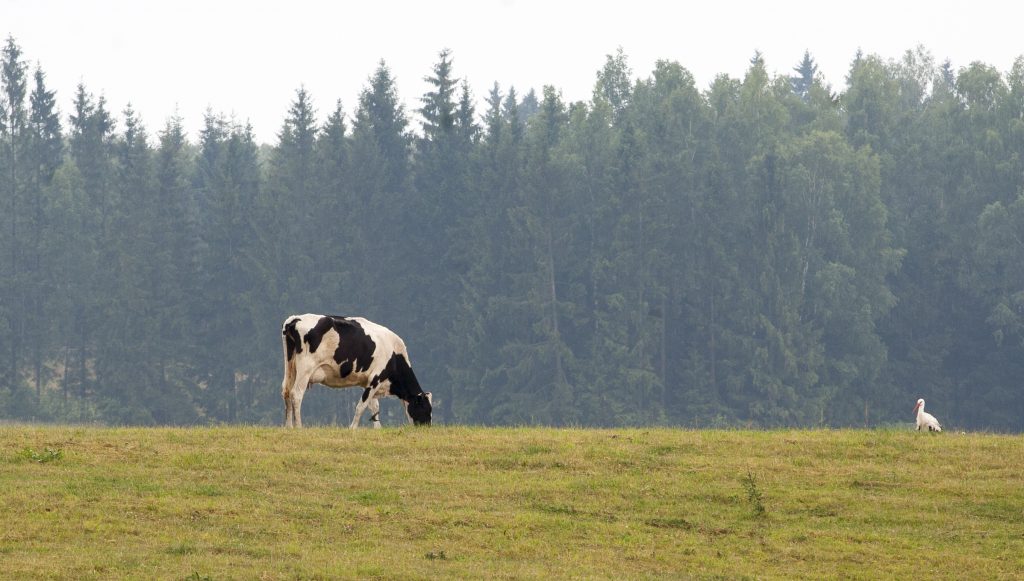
(420, 409)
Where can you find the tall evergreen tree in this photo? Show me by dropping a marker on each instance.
(120, 394)
(228, 176)
(528, 106)
(333, 157)
(803, 80)
(292, 194)
(171, 278)
(535, 346)
(16, 173)
(46, 151)
(380, 139)
(444, 209)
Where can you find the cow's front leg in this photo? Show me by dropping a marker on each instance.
(364, 402)
(374, 405)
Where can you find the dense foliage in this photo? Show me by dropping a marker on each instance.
(767, 251)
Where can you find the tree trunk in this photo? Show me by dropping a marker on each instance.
(553, 298)
(712, 348)
(15, 308)
(67, 364)
(663, 363)
(82, 369)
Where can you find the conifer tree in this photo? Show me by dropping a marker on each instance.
(803, 80)
(44, 157)
(445, 208)
(228, 175)
(15, 174)
(534, 339)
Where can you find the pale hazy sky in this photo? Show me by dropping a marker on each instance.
(247, 58)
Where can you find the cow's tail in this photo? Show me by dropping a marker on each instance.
(290, 347)
(289, 373)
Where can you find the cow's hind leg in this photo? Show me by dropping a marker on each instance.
(293, 401)
(287, 396)
(297, 393)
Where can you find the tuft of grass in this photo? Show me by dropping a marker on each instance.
(243, 502)
(184, 548)
(47, 455)
(669, 523)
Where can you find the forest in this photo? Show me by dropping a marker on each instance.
(765, 251)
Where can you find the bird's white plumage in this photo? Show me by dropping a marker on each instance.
(925, 419)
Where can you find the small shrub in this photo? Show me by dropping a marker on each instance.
(754, 496)
(438, 555)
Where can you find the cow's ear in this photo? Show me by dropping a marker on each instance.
(430, 398)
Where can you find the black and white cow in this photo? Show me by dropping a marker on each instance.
(348, 352)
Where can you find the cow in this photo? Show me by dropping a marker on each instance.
(348, 352)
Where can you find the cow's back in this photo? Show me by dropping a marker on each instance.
(386, 340)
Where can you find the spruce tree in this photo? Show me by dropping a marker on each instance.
(46, 150)
(15, 174)
(806, 72)
(443, 208)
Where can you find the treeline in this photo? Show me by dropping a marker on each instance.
(767, 251)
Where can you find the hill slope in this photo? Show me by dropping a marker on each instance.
(268, 503)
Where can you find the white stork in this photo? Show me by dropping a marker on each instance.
(925, 419)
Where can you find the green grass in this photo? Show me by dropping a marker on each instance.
(403, 503)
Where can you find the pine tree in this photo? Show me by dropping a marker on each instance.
(535, 341)
(438, 109)
(171, 277)
(333, 157)
(465, 122)
(91, 148)
(45, 155)
(294, 193)
(292, 167)
(528, 106)
(334, 201)
(15, 174)
(121, 394)
(806, 72)
(381, 138)
(228, 176)
(469, 338)
(513, 116)
(444, 208)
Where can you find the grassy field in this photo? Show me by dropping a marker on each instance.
(437, 503)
